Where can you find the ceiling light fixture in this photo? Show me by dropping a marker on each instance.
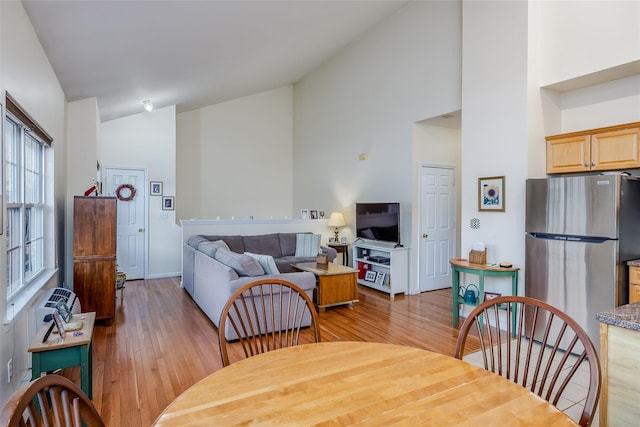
(147, 105)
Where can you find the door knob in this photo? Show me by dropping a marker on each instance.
(140, 230)
(425, 235)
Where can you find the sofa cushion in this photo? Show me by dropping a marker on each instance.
(234, 242)
(307, 245)
(266, 244)
(195, 240)
(243, 264)
(266, 262)
(287, 243)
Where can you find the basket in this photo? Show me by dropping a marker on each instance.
(478, 257)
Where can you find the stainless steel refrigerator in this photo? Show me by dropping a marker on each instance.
(580, 232)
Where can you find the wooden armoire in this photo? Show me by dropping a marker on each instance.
(94, 254)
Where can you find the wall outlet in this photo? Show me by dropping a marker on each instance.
(9, 370)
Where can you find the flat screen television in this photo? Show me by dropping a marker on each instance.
(378, 221)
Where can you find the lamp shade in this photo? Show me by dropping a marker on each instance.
(336, 220)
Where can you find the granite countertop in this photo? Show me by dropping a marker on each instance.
(634, 263)
(625, 316)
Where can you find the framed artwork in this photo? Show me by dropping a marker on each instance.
(59, 323)
(314, 214)
(381, 278)
(167, 203)
(491, 295)
(370, 276)
(155, 188)
(491, 194)
(64, 311)
(304, 213)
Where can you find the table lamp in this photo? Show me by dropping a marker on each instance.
(336, 220)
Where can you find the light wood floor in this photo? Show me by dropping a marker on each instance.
(160, 342)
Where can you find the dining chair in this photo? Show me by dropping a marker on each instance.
(268, 314)
(51, 400)
(546, 364)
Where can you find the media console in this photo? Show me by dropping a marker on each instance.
(382, 266)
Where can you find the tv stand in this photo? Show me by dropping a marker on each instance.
(389, 262)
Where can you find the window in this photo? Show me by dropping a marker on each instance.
(24, 184)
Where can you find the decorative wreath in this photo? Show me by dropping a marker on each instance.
(126, 188)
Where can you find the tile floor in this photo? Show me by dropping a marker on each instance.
(573, 398)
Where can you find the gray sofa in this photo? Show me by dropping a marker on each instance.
(212, 271)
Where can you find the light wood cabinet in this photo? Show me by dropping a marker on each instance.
(634, 284)
(610, 148)
(620, 364)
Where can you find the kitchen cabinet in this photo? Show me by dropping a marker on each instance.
(620, 365)
(94, 254)
(610, 148)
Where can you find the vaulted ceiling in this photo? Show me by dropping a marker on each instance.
(192, 53)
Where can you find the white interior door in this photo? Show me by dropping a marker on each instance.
(437, 226)
(131, 220)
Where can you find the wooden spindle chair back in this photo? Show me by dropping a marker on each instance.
(51, 400)
(266, 315)
(544, 365)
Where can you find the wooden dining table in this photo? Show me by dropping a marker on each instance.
(346, 383)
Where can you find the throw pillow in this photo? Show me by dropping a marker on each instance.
(210, 248)
(244, 265)
(195, 240)
(266, 262)
(307, 245)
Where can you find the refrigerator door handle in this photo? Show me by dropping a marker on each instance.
(562, 237)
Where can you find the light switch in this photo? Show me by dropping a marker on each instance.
(164, 215)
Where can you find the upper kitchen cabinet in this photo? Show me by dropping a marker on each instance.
(610, 148)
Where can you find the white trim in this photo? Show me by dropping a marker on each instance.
(26, 296)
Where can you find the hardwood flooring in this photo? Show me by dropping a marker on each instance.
(160, 342)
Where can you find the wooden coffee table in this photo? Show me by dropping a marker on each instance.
(336, 284)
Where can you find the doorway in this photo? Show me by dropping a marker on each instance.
(437, 226)
(131, 235)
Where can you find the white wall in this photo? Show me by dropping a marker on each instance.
(26, 73)
(235, 158)
(584, 37)
(365, 100)
(83, 132)
(148, 141)
(494, 123)
(606, 104)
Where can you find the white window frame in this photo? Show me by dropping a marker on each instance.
(30, 263)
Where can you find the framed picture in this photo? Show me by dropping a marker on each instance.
(370, 276)
(381, 278)
(491, 194)
(167, 203)
(304, 213)
(155, 188)
(59, 323)
(491, 295)
(64, 311)
(343, 240)
(314, 214)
